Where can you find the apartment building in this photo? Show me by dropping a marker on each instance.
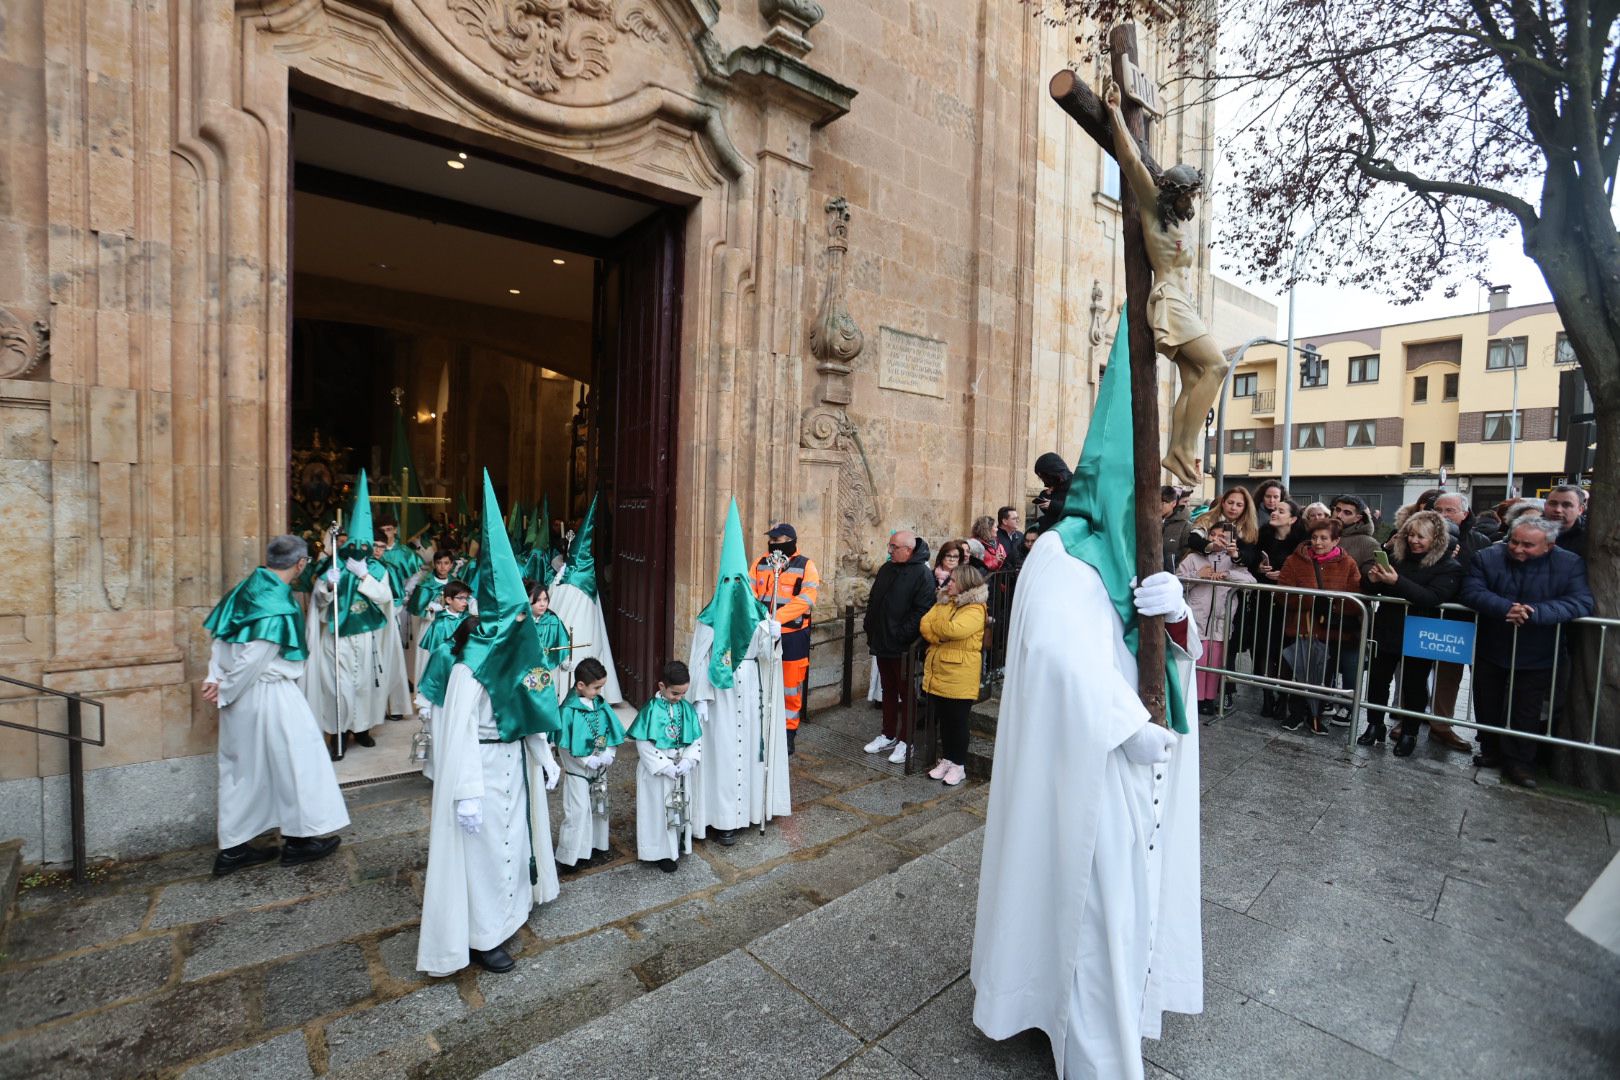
(1394, 410)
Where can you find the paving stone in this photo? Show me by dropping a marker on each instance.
(807, 828)
(1236, 883)
(1255, 789)
(730, 1011)
(315, 984)
(403, 1059)
(398, 953)
(388, 819)
(390, 856)
(415, 786)
(891, 797)
(805, 790)
(656, 922)
(1240, 1038)
(726, 925)
(116, 878)
(874, 1064)
(1495, 914)
(594, 900)
(561, 969)
(1519, 1042)
(939, 1042)
(350, 1039)
(858, 956)
(70, 926)
(922, 833)
(834, 872)
(50, 991)
(965, 852)
(835, 773)
(239, 940)
(1501, 814)
(286, 1057)
(140, 1039)
(199, 901)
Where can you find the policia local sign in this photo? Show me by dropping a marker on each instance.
(1439, 639)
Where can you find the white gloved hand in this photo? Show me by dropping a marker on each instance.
(332, 574)
(470, 815)
(607, 756)
(776, 630)
(1151, 745)
(1161, 594)
(358, 567)
(592, 761)
(434, 607)
(550, 769)
(670, 772)
(424, 714)
(686, 765)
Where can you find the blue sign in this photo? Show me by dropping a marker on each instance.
(1439, 639)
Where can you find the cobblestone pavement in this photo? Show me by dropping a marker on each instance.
(1363, 916)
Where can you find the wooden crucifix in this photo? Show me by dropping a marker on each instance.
(404, 501)
(1191, 352)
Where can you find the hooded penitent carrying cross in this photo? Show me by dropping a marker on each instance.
(1088, 918)
(354, 620)
(574, 598)
(489, 848)
(736, 665)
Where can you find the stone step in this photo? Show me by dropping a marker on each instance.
(10, 878)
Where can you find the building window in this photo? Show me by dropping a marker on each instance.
(1504, 353)
(1420, 389)
(1564, 352)
(1363, 369)
(1448, 390)
(1501, 426)
(1417, 456)
(1110, 181)
(1361, 433)
(1245, 385)
(1243, 441)
(1310, 437)
(1448, 455)
(1305, 380)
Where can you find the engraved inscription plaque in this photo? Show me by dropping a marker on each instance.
(911, 363)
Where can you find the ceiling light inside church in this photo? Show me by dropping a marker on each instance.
(559, 262)
(454, 164)
(515, 292)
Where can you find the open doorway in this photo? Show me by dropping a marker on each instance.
(457, 311)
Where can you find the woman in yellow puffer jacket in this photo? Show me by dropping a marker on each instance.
(954, 630)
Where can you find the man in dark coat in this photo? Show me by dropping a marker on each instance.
(1523, 589)
(1565, 506)
(1010, 532)
(1470, 540)
(900, 597)
(1176, 525)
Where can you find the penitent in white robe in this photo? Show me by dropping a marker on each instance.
(371, 667)
(587, 627)
(274, 772)
(654, 838)
(1088, 917)
(732, 788)
(477, 892)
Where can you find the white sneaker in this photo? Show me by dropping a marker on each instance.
(954, 775)
(938, 771)
(898, 755)
(879, 744)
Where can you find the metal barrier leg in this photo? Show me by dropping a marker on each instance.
(76, 790)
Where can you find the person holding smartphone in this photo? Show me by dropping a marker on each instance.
(1424, 574)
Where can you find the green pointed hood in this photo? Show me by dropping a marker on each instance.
(461, 509)
(504, 652)
(544, 527)
(532, 536)
(1098, 526)
(412, 516)
(359, 522)
(735, 612)
(581, 572)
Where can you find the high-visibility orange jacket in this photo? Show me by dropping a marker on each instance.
(796, 593)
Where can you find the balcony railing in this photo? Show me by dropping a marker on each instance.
(1264, 402)
(1260, 460)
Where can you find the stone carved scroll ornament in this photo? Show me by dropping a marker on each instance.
(23, 348)
(544, 42)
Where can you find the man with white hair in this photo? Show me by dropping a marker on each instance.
(273, 768)
(1523, 589)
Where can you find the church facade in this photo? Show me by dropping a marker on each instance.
(882, 276)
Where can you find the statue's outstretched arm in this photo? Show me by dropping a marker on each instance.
(1131, 166)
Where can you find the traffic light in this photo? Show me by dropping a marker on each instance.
(1579, 424)
(1312, 363)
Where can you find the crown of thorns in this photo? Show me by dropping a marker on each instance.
(1180, 179)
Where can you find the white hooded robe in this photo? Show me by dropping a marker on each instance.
(274, 772)
(1088, 917)
(731, 788)
(587, 632)
(371, 681)
(477, 892)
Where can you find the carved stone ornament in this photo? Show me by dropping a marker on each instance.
(828, 427)
(835, 340)
(22, 348)
(790, 22)
(544, 42)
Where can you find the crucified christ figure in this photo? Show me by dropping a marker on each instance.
(1166, 203)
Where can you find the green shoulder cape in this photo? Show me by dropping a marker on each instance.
(427, 591)
(554, 641)
(667, 724)
(260, 608)
(441, 629)
(586, 730)
(436, 675)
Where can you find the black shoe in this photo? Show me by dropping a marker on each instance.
(791, 732)
(1231, 698)
(1317, 726)
(1515, 775)
(668, 866)
(364, 738)
(303, 849)
(566, 868)
(1206, 708)
(1374, 734)
(497, 959)
(1268, 704)
(1405, 745)
(241, 857)
(1294, 719)
(1487, 761)
(726, 837)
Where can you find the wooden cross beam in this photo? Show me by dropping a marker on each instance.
(1087, 110)
(404, 500)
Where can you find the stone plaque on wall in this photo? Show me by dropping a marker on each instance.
(911, 363)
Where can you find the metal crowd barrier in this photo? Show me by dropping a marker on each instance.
(1261, 622)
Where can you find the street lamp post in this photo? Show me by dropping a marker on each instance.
(1287, 474)
(1513, 427)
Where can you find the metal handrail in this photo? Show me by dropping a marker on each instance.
(76, 742)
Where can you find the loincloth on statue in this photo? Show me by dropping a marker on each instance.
(1173, 317)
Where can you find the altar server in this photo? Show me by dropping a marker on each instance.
(669, 743)
(586, 745)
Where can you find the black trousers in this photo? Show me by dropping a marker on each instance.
(1522, 713)
(1414, 691)
(952, 714)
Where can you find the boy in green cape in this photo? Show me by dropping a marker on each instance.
(669, 741)
(585, 747)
